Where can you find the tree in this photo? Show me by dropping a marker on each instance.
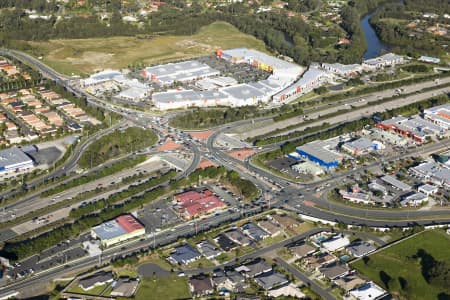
(403, 283)
(385, 278)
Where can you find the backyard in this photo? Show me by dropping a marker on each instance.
(416, 268)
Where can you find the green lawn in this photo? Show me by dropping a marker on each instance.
(84, 56)
(96, 291)
(163, 288)
(400, 264)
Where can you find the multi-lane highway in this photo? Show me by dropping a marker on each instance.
(282, 192)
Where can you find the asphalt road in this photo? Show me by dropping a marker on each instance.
(267, 126)
(67, 167)
(289, 191)
(299, 275)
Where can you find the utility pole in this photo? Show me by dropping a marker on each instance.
(154, 240)
(195, 226)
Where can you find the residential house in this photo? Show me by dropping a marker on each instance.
(95, 280)
(255, 232)
(208, 249)
(270, 280)
(270, 227)
(184, 255)
(254, 268)
(125, 287)
(225, 243)
(302, 251)
(360, 248)
(238, 237)
(319, 260)
(201, 286)
(334, 271)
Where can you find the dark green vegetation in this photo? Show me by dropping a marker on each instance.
(296, 111)
(303, 6)
(289, 36)
(94, 111)
(207, 118)
(116, 167)
(391, 26)
(416, 68)
(92, 214)
(344, 128)
(271, 137)
(417, 268)
(19, 82)
(116, 144)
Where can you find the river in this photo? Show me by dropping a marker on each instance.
(374, 44)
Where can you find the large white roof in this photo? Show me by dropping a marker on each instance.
(250, 54)
(12, 157)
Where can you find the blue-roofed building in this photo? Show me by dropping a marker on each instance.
(14, 159)
(429, 59)
(108, 232)
(121, 229)
(183, 255)
(321, 153)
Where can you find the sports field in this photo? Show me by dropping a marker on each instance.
(402, 268)
(84, 56)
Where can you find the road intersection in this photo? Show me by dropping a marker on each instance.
(282, 192)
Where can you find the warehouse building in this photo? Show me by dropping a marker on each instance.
(245, 94)
(388, 59)
(214, 83)
(311, 79)
(307, 167)
(361, 146)
(440, 175)
(400, 185)
(184, 71)
(189, 98)
(342, 70)
(134, 94)
(415, 128)
(121, 229)
(14, 159)
(321, 153)
(439, 115)
(100, 77)
(262, 61)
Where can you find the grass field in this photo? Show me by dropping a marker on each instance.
(84, 56)
(398, 262)
(163, 288)
(96, 291)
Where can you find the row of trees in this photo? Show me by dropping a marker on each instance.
(289, 36)
(397, 34)
(82, 103)
(353, 126)
(115, 144)
(92, 214)
(116, 167)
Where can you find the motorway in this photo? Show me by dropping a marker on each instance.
(412, 94)
(68, 166)
(286, 195)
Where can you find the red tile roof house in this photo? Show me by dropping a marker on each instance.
(193, 203)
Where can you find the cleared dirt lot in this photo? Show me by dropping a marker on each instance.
(84, 56)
